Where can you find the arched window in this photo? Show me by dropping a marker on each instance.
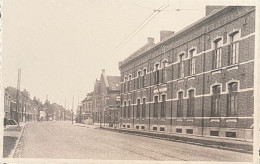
(138, 108)
(144, 77)
(180, 104)
(181, 66)
(155, 110)
(124, 113)
(190, 104)
(233, 48)
(215, 101)
(192, 62)
(163, 106)
(232, 99)
(156, 74)
(138, 80)
(129, 83)
(216, 63)
(143, 108)
(164, 71)
(129, 109)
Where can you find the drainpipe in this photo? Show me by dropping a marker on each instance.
(203, 86)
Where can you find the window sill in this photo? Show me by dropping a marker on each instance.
(180, 80)
(215, 120)
(179, 119)
(190, 120)
(231, 67)
(215, 71)
(231, 120)
(191, 77)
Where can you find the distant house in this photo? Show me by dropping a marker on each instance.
(106, 100)
(86, 109)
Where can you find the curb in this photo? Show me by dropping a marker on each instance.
(178, 139)
(11, 155)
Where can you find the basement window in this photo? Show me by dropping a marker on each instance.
(142, 127)
(189, 131)
(124, 126)
(137, 127)
(178, 130)
(214, 133)
(128, 126)
(154, 128)
(162, 129)
(231, 134)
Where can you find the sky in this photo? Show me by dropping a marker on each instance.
(61, 46)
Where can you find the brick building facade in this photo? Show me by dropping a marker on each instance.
(198, 81)
(106, 100)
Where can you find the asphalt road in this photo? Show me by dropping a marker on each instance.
(64, 140)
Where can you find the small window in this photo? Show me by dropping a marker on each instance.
(162, 129)
(142, 127)
(128, 126)
(214, 133)
(124, 126)
(231, 134)
(154, 128)
(189, 131)
(178, 130)
(137, 127)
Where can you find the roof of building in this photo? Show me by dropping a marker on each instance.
(113, 82)
(177, 34)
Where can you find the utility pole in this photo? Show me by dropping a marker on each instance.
(17, 95)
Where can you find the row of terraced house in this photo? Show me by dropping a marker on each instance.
(198, 81)
(31, 109)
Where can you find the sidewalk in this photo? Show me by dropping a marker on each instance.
(12, 135)
(214, 142)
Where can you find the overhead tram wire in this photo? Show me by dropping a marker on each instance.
(140, 27)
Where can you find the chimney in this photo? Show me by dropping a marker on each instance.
(150, 40)
(164, 34)
(211, 9)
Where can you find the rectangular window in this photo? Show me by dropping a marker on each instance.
(164, 72)
(143, 108)
(180, 104)
(138, 79)
(138, 108)
(190, 104)
(163, 106)
(215, 101)
(137, 127)
(128, 126)
(231, 134)
(214, 133)
(232, 99)
(142, 127)
(154, 128)
(189, 131)
(178, 130)
(155, 113)
(162, 129)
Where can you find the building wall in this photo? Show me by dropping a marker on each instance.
(199, 37)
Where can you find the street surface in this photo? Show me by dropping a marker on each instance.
(64, 140)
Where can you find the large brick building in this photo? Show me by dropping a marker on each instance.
(198, 81)
(106, 100)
